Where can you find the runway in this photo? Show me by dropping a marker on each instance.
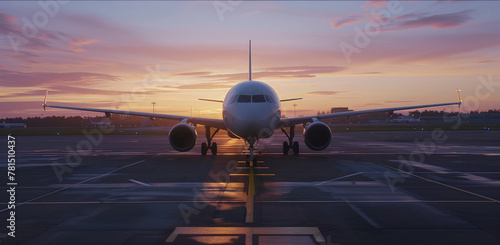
(412, 187)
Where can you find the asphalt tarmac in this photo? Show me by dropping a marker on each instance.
(414, 187)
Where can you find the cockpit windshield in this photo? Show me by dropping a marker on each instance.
(244, 99)
(257, 98)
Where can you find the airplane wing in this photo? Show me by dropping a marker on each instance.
(215, 123)
(298, 120)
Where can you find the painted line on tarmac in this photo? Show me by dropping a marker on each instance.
(139, 182)
(262, 201)
(249, 232)
(249, 206)
(81, 182)
(439, 183)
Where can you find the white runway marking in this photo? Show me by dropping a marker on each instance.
(81, 182)
(247, 231)
(138, 182)
(365, 216)
(441, 170)
(442, 184)
(339, 178)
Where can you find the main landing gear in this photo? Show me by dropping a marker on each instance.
(293, 144)
(211, 145)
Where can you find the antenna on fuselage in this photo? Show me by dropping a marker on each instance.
(249, 60)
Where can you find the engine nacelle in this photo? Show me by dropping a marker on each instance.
(182, 137)
(317, 136)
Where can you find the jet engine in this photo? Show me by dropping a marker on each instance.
(317, 136)
(182, 137)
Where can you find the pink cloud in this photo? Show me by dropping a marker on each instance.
(281, 72)
(7, 23)
(375, 5)
(409, 21)
(437, 21)
(345, 21)
(436, 48)
(43, 42)
(326, 92)
(227, 80)
(65, 90)
(82, 41)
(368, 73)
(33, 79)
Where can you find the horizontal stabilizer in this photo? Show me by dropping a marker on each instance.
(220, 101)
(290, 99)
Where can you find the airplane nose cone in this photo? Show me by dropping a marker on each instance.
(251, 121)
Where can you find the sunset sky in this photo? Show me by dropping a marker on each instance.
(127, 54)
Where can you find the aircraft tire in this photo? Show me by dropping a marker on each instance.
(214, 149)
(286, 148)
(204, 148)
(295, 148)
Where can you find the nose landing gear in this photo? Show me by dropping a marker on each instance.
(251, 159)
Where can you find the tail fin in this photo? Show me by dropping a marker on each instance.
(249, 60)
(91, 120)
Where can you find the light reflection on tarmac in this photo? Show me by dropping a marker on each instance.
(129, 190)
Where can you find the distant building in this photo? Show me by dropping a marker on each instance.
(339, 109)
(339, 119)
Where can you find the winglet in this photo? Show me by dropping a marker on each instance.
(45, 100)
(249, 60)
(459, 100)
(458, 94)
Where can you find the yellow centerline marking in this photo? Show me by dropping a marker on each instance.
(250, 161)
(254, 174)
(251, 183)
(249, 208)
(443, 184)
(250, 197)
(254, 167)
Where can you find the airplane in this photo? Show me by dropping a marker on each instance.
(405, 119)
(12, 125)
(251, 111)
(105, 124)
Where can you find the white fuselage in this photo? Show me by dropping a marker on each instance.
(251, 110)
